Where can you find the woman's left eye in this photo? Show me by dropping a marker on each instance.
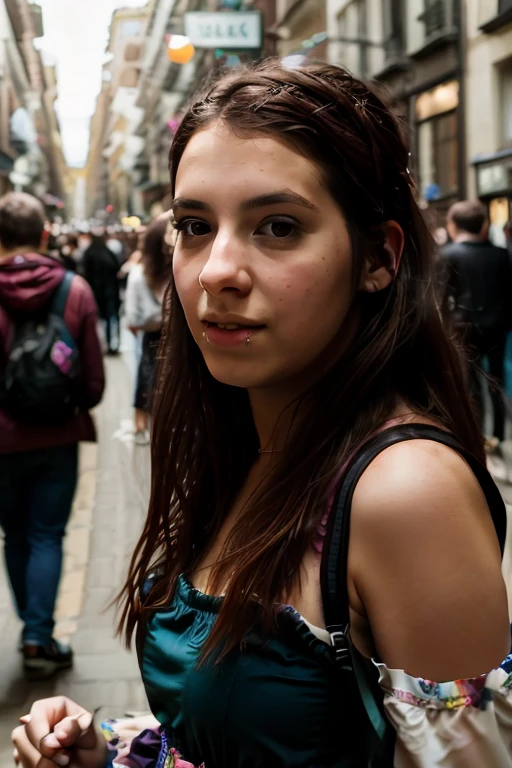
(279, 229)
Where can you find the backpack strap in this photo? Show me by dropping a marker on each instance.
(333, 573)
(335, 553)
(60, 296)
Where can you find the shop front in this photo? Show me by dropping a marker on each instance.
(494, 187)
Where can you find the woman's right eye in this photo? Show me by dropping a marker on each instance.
(193, 227)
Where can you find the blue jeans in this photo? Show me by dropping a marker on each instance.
(112, 327)
(36, 495)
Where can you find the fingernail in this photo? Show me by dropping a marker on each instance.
(85, 721)
(52, 742)
(61, 759)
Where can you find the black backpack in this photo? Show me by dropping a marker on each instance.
(40, 382)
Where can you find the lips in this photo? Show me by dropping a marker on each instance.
(230, 334)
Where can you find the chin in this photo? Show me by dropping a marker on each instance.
(235, 378)
(248, 376)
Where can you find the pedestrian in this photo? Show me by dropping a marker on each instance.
(101, 269)
(51, 373)
(307, 381)
(478, 292)
(69, 252)
(145, 290)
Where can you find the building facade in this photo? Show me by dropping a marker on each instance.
(489, 109)
(300, 28)
(31, 156)
(415, 48)
(113, 146)
(166, 87)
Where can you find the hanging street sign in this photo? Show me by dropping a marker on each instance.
(233, 31)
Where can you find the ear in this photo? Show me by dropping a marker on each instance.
(380, 270)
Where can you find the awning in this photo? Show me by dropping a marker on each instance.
(491, 157)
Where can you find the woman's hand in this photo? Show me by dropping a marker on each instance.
(59, 732)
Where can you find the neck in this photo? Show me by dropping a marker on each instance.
(274, 409)
(273, 414)
(6, 254)
(467, 237)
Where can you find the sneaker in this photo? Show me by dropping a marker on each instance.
(45, 660)
(142, 437)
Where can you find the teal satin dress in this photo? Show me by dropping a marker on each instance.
(281, 701)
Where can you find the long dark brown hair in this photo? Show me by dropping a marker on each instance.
(156, 261)
(204, 440)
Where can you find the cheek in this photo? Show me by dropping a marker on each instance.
(186, 280)
(316, 293)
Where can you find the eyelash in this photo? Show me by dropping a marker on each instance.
(181, 225)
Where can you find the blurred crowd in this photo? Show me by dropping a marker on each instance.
(64, 297)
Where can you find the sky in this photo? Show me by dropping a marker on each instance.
(76, 35)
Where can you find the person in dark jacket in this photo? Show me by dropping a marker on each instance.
(478, 294)
(101, 268)
(39, 464)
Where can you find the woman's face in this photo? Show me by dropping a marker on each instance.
(262, 264)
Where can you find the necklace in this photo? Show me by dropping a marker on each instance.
(260, 451)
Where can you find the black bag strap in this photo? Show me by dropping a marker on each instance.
(60, 296)
(333, 577)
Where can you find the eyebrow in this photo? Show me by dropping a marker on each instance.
(275, 198)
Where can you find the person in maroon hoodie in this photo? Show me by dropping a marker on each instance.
(39, 464)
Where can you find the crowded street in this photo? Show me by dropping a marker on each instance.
(256, 383)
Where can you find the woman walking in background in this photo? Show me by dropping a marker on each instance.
(147, 282)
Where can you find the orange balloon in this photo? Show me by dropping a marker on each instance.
(180, 50)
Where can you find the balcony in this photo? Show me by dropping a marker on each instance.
(503, 18)
(441, 24)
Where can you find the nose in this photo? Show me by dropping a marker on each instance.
(226, 268)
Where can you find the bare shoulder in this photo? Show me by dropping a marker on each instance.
(418, 479)
(425, 563)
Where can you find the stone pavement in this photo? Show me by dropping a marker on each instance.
(107, 517)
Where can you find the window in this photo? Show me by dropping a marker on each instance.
(394, 27)
(506, 100)
(362, 34)
(439, 15)
(437, 120)
(341, 31)
(132, 28)
(438, 156)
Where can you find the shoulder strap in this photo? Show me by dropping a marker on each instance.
(60, 296)
(335, 553)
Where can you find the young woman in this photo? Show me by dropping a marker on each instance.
(145, 290)
(302, 323)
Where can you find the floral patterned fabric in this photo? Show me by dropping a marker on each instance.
(129, 747)
(460, 724)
